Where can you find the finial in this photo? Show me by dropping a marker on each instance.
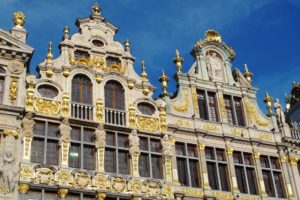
(66, 32)
(127, 45)
(178, 61)
(164, 81)
(19, 19)
(213, 36)
(248, 75)
(287, 102)
(268, 101)
(144, 74)
(49, 56)
(96, 10)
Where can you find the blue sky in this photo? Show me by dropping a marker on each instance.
(263, 33)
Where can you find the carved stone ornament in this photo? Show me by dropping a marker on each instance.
(19, 19)
(152, 189)
(101, 196)
(65, 131)
(167, 191)
(23, 188)
(28, 124)
(100, 136)
(64, 177)
(26, 173)
(167, 146)
(135, 186)
(63, 192)
(134, 142)
(13, 90)
(163, 120)
(195, 99)
(44, 176)
(147, 123)
(100, 182)
(65, 104)
(99, 110)
(82, 180)
(253, 116)
(47, 106)
(30, 97)
(132, 119)
(118, 184)
(184, 106)
(15, 67)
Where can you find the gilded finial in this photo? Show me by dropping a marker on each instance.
(213, 36)
(178, 61)
(66, 32)
(144, 74)
(164, 81)
(49, 56)
(96, 10)
(127, 45)
(268, 101)
(19, 19)
(247, 74)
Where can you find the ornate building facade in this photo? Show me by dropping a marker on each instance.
(88, 128)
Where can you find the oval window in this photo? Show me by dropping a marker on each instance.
(48, 91)
(98, 43)
(146, 108)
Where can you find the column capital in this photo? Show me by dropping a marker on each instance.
(23, 188)
(293, 160)
(63, 192)
(100, 195)
(256, 155)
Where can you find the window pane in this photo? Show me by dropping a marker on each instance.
(182, 171)
(278, 184)
(268, 183)
(248, 159)
(73, 197)
(37, 150)
(220, 155)
(144, 167)
(239, 111)
(114, 95)
(251, 181)
(209, 153)
(241, 179)
(88, 135)
(212, 175)
(202, 105)
(110, 139)
(76, 133)
(82, 89)
(264, 162)
(228, 109)
(32, 195)
(123, 140)
(52, 130)
(144, 144)
(156, 166)
(223, 177)
(192, 150)
(110, 160)
(274, 163)
(74, 155)
(88, 157)
(180, 150)
(50, 195)
(237, 157)
(39, 128)
(1, 89)
(194, 173)
(155, 145)
(212, 107)
(88, 197)
(123, 162)
(52, 152)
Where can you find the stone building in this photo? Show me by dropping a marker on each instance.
(88, 128)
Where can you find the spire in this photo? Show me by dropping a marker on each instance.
(66, 32)
(49, 56)
(178, 61)
(247, 74)
(96, 10)
(268, 101)
(127, 45)
(164, 81)
(144, 74)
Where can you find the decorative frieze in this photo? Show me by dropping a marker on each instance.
(149, 124)
(184, 106)
(48, 107)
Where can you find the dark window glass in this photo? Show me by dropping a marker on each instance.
(223, 177)
(156, 166)
(88, 135)
(110, 139)
(146, 108)
(2, 71)
(82, 89)
(240, 175)
(52, 152)
(239, 111)
(192, 150)
(155, 145)
(39, 128)
(144, 166)
(52, 130)
(123, 162)
(98, 43)
(81, 54)
(251, 180)
(212, 106)
(112, 61)
(264, 162)
(209, 153)
(123, 140)
(74, 155)
(1, 89)
(48, 91)
(114, 95)
(88, 158)
(202, 105)
(182, 171)
(180, 149)
(194, 173)
(37, 150)
(278, 184)
(110, 160)
(228, 109)
(268, 183)
(144, 144)
(212, 175)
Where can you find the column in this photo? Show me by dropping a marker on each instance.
(286, 177)
(168, 153)
(174, 163)
(260, 178)
(27, 134)
(203, 168)
(100, 137)
(231, 170)
(64, 142)
(134, 150)
(293, 161)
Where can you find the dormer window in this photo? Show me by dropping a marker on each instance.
(112, 61)
(81, 54)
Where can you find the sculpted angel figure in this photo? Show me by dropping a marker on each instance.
(279, 111)
(99, 136)
(134, 141)
(65, 131)
(28, 124)
(167, 146)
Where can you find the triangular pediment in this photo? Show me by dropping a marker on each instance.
(9, 42)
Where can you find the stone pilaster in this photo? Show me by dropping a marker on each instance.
(260, 178)
(286, 177)
(168, 153)
(134, 150)
(174, 163)
(293, 160)
(64, 142)
(203, 167)
(100, 137)
(27, 135)
(231, 170)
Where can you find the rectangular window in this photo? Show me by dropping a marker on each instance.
(117, 153)
(207, 104)
(187, 164)
(239, 111)
(1, 89)
(82, 149)
(272, 176)
(217, 168)
(150, 160)
(228, 109)
(234, 110)
(44, 148)
(245, 173)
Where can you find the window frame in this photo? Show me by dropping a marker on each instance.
(151, 154)
(116, 148)
(81, 87)
(114, 93)
(187, 158)
(2, 79)
(235, 121)
(207, 107)
(45, 139)
(82, 143)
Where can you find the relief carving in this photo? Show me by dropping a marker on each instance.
(99, 136)
(82, 180)
(65, 131)
(44, 176)
(118, 184)
(134, 142)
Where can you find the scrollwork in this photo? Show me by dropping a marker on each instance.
(47, 106)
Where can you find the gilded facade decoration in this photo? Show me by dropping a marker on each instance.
(64, 177)
(237, 132)
(26, 173)
(210, 127)
(13, 89)
(222, 106)
(135, 163)
(132, 119)
(101, 196)
(222, 195)
(65, 104)
(99, 110)
(19, 19)
(192, 192)
(100, 182)
(44, 176)
(63, 192)
(195, 99)
(253, 116)
(135, 186)
(152, 189)
(293, 160)
(185, 123)
(266, 136)
(30, 98)
(48, 107)
(185, 104)
(118, 184)
(82, 180)
(147, 123)
(23, 188)
(163, 120)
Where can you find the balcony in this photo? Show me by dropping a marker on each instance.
(115, 117)
(295, 133)
(82, 111)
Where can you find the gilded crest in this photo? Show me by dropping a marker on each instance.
(118, 184)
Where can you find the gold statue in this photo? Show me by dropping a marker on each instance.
(19, 19)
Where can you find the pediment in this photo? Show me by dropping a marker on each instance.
(11, 43)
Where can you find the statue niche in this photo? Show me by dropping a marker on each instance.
(214, 64)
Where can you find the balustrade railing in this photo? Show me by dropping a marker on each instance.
(295, 133)
(115, 117)
(82, 111)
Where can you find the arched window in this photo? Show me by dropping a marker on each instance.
(114, 95)
(82, 90)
